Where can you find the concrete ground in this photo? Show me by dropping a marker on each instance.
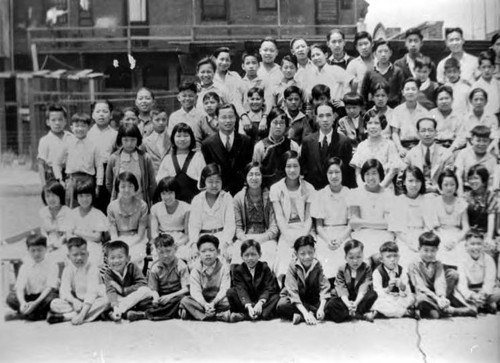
(402, 340)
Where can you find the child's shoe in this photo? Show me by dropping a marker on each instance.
(463, 311)
(297, 319)
(433, 314)
(112, 316)
(236, 317)
(223, 316)
(492, 308)
(54, 318)
(133, 315)
(182, 314)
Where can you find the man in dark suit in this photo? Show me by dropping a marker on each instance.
(232, 151)
(413, 43)
(324, 144)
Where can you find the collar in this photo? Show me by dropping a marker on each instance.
(299, 265)
(125, 271)
(328, 136)
(208, 270)
(124, 156)
(223, 137)
(193, 110)
(299, 116)
(345, 58)
(169, 266)
(307, 65)
(479, 261)
(389, 271)
(375, 67)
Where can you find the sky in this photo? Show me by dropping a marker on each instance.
(469, 14)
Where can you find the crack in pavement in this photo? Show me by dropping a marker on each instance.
(419, 341)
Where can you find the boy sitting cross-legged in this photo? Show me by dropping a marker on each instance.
(36, 283)
(168, 278)
(125, 284)
(306, 294)
(255, 293)
(208, 285)
(82, 295)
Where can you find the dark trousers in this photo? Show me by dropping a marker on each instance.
(166, 311)
(451, 276)
(340, 312)
(103, 198)
(40, 312)
(268, 308)
(286, 308)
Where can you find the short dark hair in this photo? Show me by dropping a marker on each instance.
(53, 186)
(381, 42)
(328, 104)
(221, 50)
(36, 239)
(131, 109)
(249, 243)
(333, 31)
(208, 171)
(372, 114)
(95, 103)
(250, 166)
(185, 128)
(418, 174)
(290, 58)
(474, 233)
(290, 154)
(188, 86)
(319, 91)
(428, 239)
(85, 186)
(380, 86)
(258, 90)
(164, 240)
(443, 88)
(115, 245)
(481, 171)
(494, 38)
(269, 39)
(431, 119)
(304, 241)
(451, 63)
(206, 60)
(290, 90)
(447, 173)
(294, 40)
(352, 244)
(414, 31)
(488, 55)
(370, 164)
(55, 107)
(424, 61)
(247, 54)
(75, 242)
(410, 80)
(207, 238)
(335, 161)
(322, 47)
(458, 30)
(213, 95)
(227, 106)
(126, 176)
(481, 131)
(478, 90)
(362, 35)
(389, 246)
(276, 112)
(128, 131)
(156, 110)
(167, 184)
(353, 99)
(81, 117)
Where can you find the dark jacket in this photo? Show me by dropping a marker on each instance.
(134, 279)
(346, 286)
(260, 287)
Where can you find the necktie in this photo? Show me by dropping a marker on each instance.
(428, 157)
(228, 144)
(324, 148)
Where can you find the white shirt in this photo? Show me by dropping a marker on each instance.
(224, 138)
(468, 68)
(328, 137)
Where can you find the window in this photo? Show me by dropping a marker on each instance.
(267, 4)
(346, 4)
(213, 9)
(137, 11)
(85, 13)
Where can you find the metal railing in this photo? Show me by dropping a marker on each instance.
(157, 36)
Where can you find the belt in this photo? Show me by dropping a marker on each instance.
(215, 230)
(79, 174)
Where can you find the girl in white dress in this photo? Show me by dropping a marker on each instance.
(329, 210)
(212, 212)
(291, 198)
(171, 216)
(412, 214)
(376, 146)
(369, 207)
(452, 217)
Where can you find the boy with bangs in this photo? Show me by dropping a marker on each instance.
(82, 295)
(168, 279)
(208, 284)
(157, 144)
(188, 113)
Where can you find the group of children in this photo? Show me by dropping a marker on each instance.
(161, 216)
